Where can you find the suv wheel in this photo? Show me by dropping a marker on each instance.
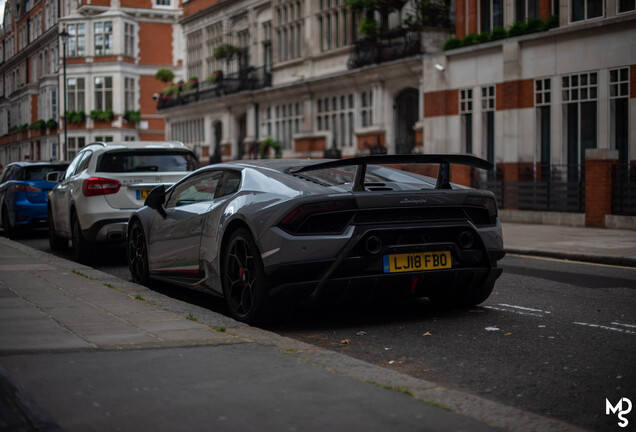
(55, 242)
(81, 248)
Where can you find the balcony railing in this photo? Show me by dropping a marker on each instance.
(392, 45)
(247, 79)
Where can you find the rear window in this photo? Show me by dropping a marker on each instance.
(147, 161)
(374, 174)
(35, 173)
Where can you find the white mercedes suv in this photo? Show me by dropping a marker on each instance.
(104, 184)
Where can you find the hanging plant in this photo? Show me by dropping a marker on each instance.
(226, 52)
(164, 75)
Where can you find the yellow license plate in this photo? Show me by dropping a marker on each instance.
(417, 261)
(142, 194)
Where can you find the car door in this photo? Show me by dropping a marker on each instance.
(174, 241)
(60, 197)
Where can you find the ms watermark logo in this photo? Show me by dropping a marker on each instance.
(624, 406)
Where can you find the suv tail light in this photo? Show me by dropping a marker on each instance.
(25, 188)
(100, 186)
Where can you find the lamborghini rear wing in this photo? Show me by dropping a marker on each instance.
(443, 173)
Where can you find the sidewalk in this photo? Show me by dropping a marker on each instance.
(598, 245)
(81, 350)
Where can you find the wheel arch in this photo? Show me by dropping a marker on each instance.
(232, 226)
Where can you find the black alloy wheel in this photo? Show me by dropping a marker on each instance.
(81, 248)
(55, 241)
(244, 282)
(137, 254)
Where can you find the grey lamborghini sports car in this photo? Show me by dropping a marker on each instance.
(254, 230)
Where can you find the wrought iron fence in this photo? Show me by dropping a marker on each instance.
(247, 79)
(624, 190)
(394, 44)
(558, 188)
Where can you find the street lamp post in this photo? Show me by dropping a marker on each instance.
(64, 35)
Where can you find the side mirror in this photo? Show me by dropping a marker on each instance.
(53, 177)
(156, 199)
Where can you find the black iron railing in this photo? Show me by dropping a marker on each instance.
(624, 190)
(392, 45)
(247, 79)
(558, 188)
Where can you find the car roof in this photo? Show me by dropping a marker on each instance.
(136, 145)
(37, 163)
(280, 165)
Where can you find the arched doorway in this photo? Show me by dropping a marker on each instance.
(406, 115)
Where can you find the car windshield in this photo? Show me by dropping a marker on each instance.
(35, 173)
(147, 161)
(374, 174)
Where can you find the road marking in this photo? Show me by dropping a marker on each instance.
(524, 308)
(620, 330)
(624, 325)
(518, 312)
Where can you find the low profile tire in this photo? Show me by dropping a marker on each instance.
(137, 254)
(9, 231)
(81, 248)
(55, 242)
(244, 281)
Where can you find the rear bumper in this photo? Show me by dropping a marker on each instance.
(107, 230)
(412, 284)
(28, 214)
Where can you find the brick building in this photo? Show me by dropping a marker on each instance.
(113, 51)
(301, 74)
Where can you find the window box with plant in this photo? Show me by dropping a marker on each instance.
(102, 115)
(38, 125)
(75, 117)
(51, 124)
(132, 116)
(519, 28)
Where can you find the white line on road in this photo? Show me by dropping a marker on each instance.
(524, 308)
(620, 330)
(514, 311)
(624, 325)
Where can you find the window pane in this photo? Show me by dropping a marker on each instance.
(594, 8)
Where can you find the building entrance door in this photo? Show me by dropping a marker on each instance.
(406, 114)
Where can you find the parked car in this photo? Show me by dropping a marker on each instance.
(104, 184)
(24, 193)
(252, 230)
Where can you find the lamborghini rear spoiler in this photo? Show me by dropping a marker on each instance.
(443, 174)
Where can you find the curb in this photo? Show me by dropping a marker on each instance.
(569, 256)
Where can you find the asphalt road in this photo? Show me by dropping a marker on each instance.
(556, 338)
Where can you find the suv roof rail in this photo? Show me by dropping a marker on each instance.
(101, 143)
(177, 142)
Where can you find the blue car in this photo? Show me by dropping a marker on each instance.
(24, 193)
